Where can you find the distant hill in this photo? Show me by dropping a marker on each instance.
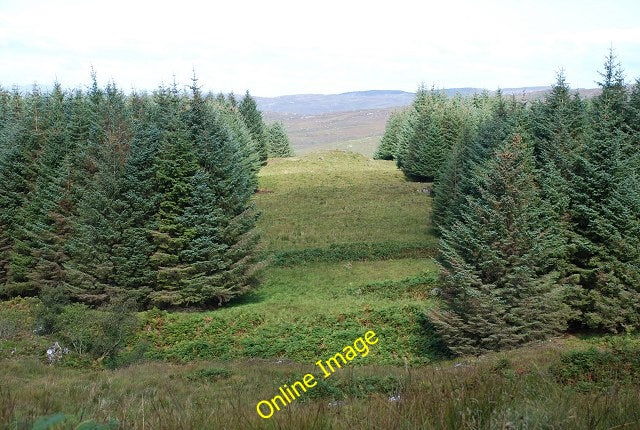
(357, 131)
(316, 104)
(356, 120)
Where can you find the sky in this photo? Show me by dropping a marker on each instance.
(283, 47)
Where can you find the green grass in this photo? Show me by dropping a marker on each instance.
(337, 197)
(350, 250)
(303, 312)
(512, 390)
(366, 145)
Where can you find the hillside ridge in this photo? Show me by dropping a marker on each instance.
(318, 104)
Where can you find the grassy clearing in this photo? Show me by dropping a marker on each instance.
(336, 198)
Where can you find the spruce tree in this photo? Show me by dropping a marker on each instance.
(96, 231)
(44, 225)
(253, 119)
(605, 218)
(17, 168)
(175, 167)
(387, 148)
(220, 256)
(278, 142)
(498, 287)
(134, 271)
(457, 180)
(447, 190)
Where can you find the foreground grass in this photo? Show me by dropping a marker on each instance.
(515, 390)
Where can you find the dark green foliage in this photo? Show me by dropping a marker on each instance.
(387, 149)
(278, 141)
(111, 197)
(253, 119)
(474, 144)
(585, 192)
(421, 139)
(605, 220)
(96, 230)
(447, 189)
(175, 167)
(423, 149)
(134, 271)
(498, 284)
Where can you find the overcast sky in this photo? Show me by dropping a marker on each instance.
(290, 47)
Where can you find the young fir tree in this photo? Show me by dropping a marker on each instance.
(424, 146)
(457, 179)
(387, 148)
(497, 284)
(134, 271)
(96, 230)
(447, 187)
(278, 142)
(221, 220)
(605, 218)
(40, 255)
(19, 168)
(240, 133)
(175, 167)
(253, 118)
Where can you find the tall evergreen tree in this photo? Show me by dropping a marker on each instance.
(134, 271)
(498, 288)
(457, 180)
(40, 255)
(175, 168)
(96, 231)
(18, 166)
(605, 219)
(253, 118)
(221, 221)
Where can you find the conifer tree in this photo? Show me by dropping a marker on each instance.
(253, 119)
(134, 271)
(220, 254)
(447, 190)
(44, 217)
(242, 136)
(387, 148)
(457, 180)
(498, 287)
(17, 166)
(278, 141)
(175, 167)
(96, 232)
(605, 218)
